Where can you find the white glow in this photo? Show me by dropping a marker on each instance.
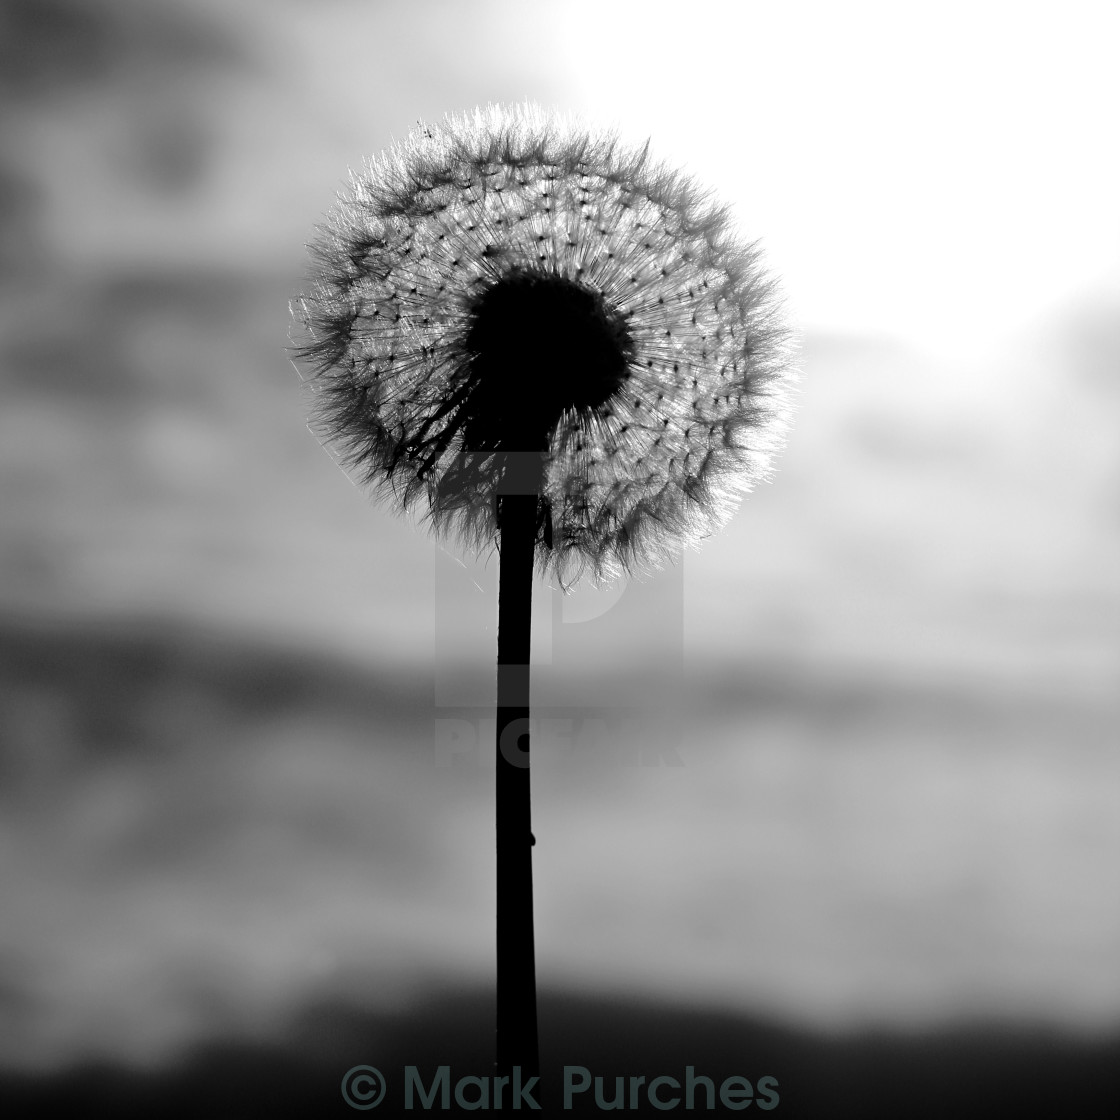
(941, 173)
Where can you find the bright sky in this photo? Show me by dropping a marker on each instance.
(943, 172)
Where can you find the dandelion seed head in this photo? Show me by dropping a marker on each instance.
(507, 287)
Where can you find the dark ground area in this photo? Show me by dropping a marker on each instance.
(974, 1072)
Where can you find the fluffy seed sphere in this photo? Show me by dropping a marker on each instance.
(507, 302)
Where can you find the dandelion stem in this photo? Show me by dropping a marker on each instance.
(517, 991)
(548, 341)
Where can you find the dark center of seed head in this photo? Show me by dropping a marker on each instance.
(539, 345)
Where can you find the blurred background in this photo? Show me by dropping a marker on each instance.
(235, 857)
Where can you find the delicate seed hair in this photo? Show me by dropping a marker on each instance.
(509, 286)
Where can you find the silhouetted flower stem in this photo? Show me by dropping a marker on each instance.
(517, 993)
(545, 341)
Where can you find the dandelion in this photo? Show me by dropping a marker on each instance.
(505, 284)
(546, 342)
